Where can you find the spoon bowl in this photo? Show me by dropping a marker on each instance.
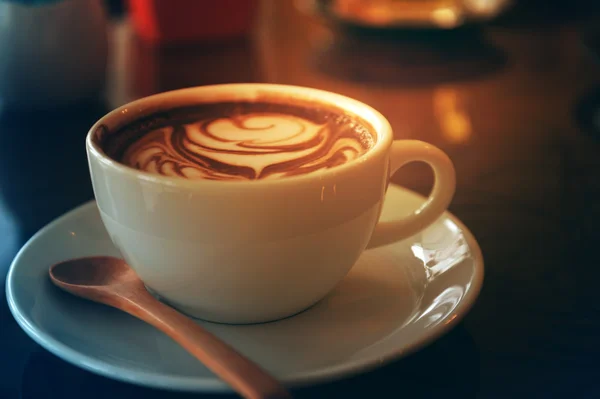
(92, 271)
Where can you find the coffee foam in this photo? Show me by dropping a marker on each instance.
(248, 141)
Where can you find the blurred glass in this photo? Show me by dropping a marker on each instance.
(416, 13)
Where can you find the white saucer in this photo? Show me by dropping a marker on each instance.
(395, 300)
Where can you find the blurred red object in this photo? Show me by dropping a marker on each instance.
(176, 21)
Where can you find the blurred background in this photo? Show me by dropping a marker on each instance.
(510, 89)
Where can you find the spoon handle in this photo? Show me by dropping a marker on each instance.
(244, 376)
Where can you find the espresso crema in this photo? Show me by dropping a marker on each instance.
(240, 141)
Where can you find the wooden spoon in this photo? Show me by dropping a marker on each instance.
(112, 282)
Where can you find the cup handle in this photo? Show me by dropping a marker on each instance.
(402, 153)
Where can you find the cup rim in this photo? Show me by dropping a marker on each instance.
(377, 121)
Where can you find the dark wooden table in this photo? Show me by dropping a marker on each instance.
(513, 104)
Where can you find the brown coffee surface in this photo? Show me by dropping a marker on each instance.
(240, 141)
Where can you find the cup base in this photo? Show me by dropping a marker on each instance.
(200, 317)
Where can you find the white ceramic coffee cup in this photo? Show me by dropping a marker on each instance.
(245, 252)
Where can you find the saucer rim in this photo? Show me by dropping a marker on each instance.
(212, 384)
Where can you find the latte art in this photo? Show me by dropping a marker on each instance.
(246, 145)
